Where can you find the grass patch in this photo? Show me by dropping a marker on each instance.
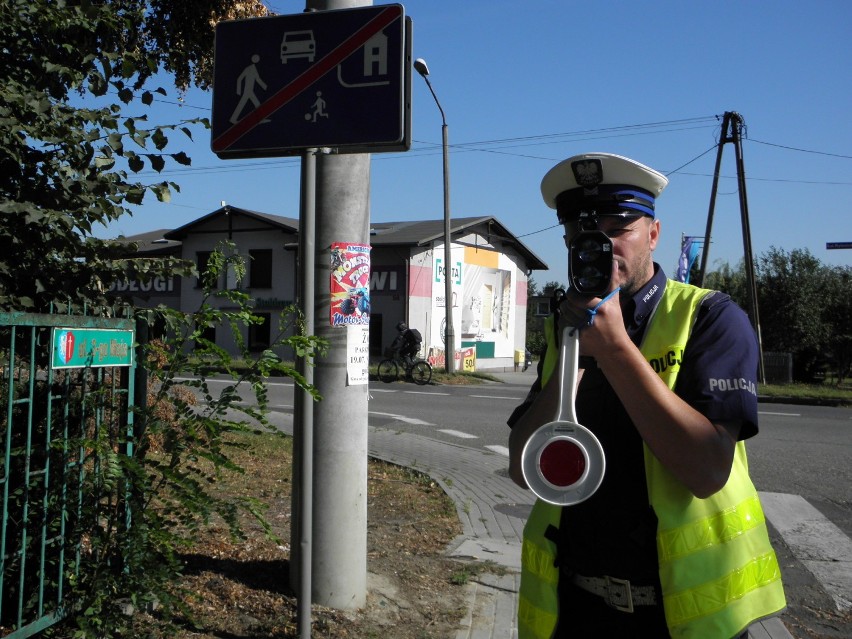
(811, 393)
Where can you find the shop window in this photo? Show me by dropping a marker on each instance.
(201, 260)
(260, 268)
(259, 334)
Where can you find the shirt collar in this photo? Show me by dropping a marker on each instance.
(642, 304)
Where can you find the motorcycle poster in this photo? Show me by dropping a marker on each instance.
(350, 284)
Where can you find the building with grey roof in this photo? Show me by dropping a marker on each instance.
(490, 272)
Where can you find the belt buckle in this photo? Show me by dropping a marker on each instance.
(618, 594)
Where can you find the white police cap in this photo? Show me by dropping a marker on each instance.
(601, 182)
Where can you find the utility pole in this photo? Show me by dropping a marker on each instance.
(732, 124)
(339, 550)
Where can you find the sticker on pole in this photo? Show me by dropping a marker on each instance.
(563, 463)
(350, 284)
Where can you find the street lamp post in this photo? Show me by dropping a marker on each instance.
(449, 331)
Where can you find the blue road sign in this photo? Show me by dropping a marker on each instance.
(324, 79)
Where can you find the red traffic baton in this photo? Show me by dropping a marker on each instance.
(563, 462)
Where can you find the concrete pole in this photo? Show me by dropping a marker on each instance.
(340, 420)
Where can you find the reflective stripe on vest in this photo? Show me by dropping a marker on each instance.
(717, 569)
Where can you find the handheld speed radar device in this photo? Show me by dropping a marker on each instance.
(590, 263)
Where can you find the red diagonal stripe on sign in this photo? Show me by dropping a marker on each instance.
(306, 79)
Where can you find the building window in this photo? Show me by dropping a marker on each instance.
(542, 308)
(260, 268)
(201, 260)
(258, 334)
(209, 334)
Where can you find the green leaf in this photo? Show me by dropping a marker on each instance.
(162, 191)
(116, 142)
(160, 139)
(135, 163)
(141, 138)
(157, 162)
(104, 163)
(182, 158)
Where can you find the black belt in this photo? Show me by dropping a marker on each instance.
(618, 593)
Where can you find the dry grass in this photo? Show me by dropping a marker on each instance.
(241, 587)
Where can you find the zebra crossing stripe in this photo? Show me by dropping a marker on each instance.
(815, 541)
(500, 450)
(457, 433)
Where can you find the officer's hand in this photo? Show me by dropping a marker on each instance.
(599, 332)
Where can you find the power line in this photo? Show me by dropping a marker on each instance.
(792, 148)
(700, 155)
(539, 231)
(757, 179)
(646, 128)
(551, 138)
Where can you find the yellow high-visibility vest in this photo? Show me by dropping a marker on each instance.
(717, 568)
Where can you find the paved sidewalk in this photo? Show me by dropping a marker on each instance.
(492, 510)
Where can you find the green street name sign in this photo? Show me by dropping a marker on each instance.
(91, 347)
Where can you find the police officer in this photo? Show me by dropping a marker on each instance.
(674, 542)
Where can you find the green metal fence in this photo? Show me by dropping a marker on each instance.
(66, 384)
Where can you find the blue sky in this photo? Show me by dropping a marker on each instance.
(527, 84)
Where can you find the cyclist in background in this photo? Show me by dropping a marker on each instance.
(406, 345)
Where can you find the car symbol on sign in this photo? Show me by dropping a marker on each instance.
(298, 44)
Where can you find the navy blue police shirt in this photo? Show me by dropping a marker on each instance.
(614, 531)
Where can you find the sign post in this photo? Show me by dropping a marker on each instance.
(300, 85)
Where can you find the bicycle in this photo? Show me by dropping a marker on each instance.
(418, 370)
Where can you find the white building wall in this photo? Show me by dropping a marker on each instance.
(420, 303)
(271, 300)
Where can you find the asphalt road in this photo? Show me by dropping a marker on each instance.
(801, 450)
(801, 463)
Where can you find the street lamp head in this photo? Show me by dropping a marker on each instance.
(420, 67)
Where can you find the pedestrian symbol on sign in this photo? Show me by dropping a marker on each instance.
(245, 87)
